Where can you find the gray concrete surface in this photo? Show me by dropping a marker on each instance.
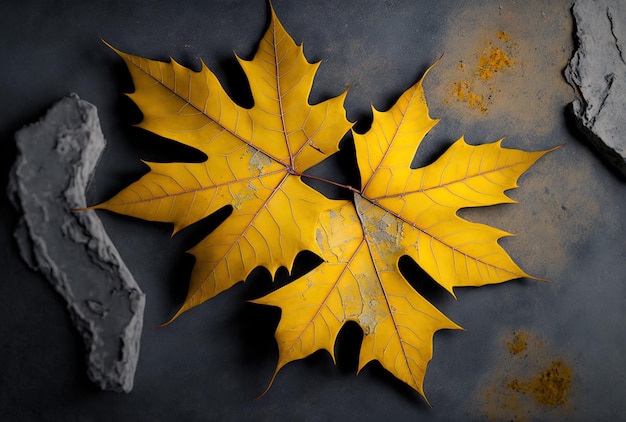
(213, 361)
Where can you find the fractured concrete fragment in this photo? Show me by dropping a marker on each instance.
(56, 159)
(597, 71)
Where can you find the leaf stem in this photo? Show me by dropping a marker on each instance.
(341, 185)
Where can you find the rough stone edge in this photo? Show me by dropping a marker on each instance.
(577, 109)
(119, 377)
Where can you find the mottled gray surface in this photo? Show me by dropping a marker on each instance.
(211, 362)
(598, 71)
(56, 160)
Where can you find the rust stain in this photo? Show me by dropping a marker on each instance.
(464, 91)
(523, 97)
(474, 88)
(550, 387)
(518, 343)
(503, 36)
(531, 381)
(493, 60)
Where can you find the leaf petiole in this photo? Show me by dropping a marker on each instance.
(340, 185)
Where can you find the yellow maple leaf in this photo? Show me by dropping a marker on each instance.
(400, 211)
(255, 160)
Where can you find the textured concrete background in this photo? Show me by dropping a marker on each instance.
(213, 361)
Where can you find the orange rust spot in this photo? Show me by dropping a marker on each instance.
(476, 89)
(532, 382)
(550, 387)
(519, 343)
(464, 91)
(493, 60)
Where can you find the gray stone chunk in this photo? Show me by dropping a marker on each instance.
(56, 160)
(597, 71)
